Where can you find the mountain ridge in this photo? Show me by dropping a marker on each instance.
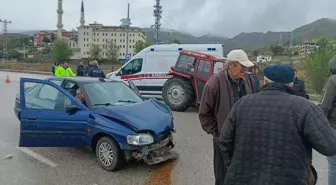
(248, 41)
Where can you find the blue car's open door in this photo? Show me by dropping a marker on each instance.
(50, 116)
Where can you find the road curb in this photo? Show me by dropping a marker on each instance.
(26, 71)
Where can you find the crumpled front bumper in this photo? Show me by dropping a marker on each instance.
(157, 152)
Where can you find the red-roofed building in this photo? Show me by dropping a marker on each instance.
(38, 38)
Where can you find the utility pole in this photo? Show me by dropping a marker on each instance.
(157, 14)
(126, 23)
(4, 38)
(291, 40)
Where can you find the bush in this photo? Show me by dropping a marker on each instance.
(316, 65)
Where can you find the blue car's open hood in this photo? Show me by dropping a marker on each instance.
(148, 115)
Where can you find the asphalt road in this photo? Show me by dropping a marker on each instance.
(71, 166)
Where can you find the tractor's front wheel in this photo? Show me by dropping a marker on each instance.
(178, 93)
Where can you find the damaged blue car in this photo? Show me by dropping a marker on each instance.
(109, 116)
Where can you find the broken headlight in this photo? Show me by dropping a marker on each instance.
(140, 139)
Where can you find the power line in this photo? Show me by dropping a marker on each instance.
(170, 22)
(157, 14)
(4, 39)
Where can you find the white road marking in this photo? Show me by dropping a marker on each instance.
(37, 157)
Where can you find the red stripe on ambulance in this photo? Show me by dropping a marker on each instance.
(152, 76)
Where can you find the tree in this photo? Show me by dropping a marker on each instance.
(296, 53)
(140, 45)
(46, 40)
(95, 52)
(316, 64)
(52, 37)
(175, 41)
(112, 51)
(25, 40)
(14, 54)
(46, 50)
(277, 50)
(61, 50)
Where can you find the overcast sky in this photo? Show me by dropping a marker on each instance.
(217, 17)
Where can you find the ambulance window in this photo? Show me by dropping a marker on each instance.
(133, 67)
(218, 67)
(186, 63)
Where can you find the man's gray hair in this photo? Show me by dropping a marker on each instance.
(95, 63)
(78, 91)
(270, 81)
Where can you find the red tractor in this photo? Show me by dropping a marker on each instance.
(189, 75)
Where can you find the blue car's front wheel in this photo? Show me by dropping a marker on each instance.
(109, 155)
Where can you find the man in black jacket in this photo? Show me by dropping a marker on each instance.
(299, 85)
(80, 71)
(268, 137)
(95, 71)
(87, 68)
(54, 67)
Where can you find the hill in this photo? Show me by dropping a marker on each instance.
(169, 35)
(15, 35)
(251, 41)
(322, 27)
(248, 41)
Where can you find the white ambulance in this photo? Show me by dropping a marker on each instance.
(149, 68)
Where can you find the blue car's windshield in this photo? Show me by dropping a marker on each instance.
(110, 93)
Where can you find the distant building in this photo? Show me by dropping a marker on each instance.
(68, 35)
(264, 58)
(99, 34)
(306, 47)
(39, 37)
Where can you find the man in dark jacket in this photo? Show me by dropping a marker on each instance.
(299, 84)
(80, 71)
(220, 93)
(54, 67)
(328, 105)
(268, 137)
(252, 73)
(87, 68)
(95, 71)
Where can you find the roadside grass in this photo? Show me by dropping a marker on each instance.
(315, 97)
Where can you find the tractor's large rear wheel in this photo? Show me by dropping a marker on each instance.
(178, 93)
